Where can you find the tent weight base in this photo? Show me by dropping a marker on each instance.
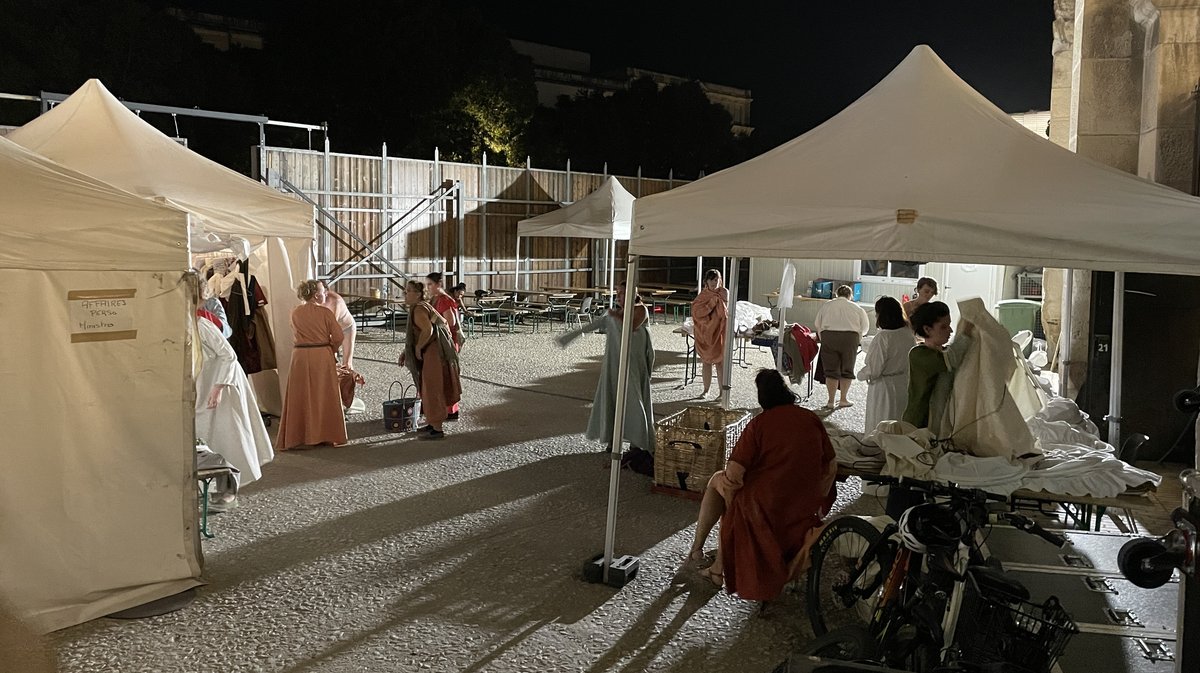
(621, 572)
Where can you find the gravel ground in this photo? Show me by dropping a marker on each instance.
(393, 554)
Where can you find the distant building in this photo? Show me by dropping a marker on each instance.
(567, 72)
(222, 32)
(1037, 121)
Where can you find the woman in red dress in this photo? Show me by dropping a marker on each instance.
(447, 307)
(770, 498)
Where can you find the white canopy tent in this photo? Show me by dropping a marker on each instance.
(97, 494)
(92, 132)
(921, 167)
(604, 214)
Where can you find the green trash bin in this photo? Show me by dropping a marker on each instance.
(1018, 314)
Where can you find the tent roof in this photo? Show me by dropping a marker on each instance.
(984, 189)
(605, 213)
(57, 218)
(91, 131)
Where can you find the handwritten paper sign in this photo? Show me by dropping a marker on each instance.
(101, 315)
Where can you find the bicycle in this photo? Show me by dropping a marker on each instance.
(921, 594)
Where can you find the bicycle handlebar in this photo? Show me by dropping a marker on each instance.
(1027, 525)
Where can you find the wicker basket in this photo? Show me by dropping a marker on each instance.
(693, 444)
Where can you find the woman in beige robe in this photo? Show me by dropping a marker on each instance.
(710, 316)
(312, 406)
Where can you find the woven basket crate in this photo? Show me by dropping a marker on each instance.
(686, 454)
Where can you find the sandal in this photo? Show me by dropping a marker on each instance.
(843, 405)
(714, 578)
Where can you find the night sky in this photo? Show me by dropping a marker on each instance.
(802, 60)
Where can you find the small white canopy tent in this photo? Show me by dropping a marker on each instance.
(921, 167)
(92, 132)
(606, 213)
(97, 494)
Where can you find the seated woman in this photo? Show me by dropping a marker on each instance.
(931, 364)
(770, 498)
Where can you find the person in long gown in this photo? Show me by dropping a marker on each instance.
(710, 317)
(886, 366)
(639, 410)
(341, 312)
(447, 307)
(227, 415)
(771, 498)
(312, 405)
(430, 356)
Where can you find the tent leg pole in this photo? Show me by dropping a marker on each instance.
(699, 275)
(517, 266)
(1116, 358)
(610, 524)
(612, 272)
(779, 340)
(1064, 333)
(730, 332)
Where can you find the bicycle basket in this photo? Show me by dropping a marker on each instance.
(1020, 632)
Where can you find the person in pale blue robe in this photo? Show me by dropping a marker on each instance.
(639, 410)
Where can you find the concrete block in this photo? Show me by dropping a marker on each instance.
(1168, 155)
(1110, 96)
(1179, 25)
(1117, 151)
(1109, 30)
(1170, 81)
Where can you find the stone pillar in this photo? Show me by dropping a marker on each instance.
(1106, 96)
(1167, 146)
(1060, 124)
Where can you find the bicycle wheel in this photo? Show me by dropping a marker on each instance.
(832, 601)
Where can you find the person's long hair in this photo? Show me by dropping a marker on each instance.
(773, 391)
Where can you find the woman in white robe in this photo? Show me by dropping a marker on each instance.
(227, 416)
(886, 367)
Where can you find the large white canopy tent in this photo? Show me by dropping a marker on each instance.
(921, 167)
(606, 213)
(97, 494)
(92, 132)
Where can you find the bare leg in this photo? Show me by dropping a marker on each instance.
(844, 388)
(711, 509)
(832, 386)
(708, 369)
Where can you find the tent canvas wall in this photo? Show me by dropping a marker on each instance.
(98, 491)
(92, 132)
(920, 167)
(606, 213)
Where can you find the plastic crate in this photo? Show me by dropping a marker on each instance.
(1029, 285)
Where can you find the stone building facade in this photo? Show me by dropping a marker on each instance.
(1124, 93)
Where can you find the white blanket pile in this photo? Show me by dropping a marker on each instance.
(1001, 441)
(748, 315)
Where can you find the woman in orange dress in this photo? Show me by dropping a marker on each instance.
(710, 316)
(312, 406)
(430, 355)
(770, 498)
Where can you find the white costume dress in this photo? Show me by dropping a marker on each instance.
(235, 428)
(886, 374)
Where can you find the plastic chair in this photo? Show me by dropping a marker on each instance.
(575, 313)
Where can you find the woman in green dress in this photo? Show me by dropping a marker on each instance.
(932, 363)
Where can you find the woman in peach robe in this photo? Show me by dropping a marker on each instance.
(710, 315)
(312, 406)
(771, 497)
